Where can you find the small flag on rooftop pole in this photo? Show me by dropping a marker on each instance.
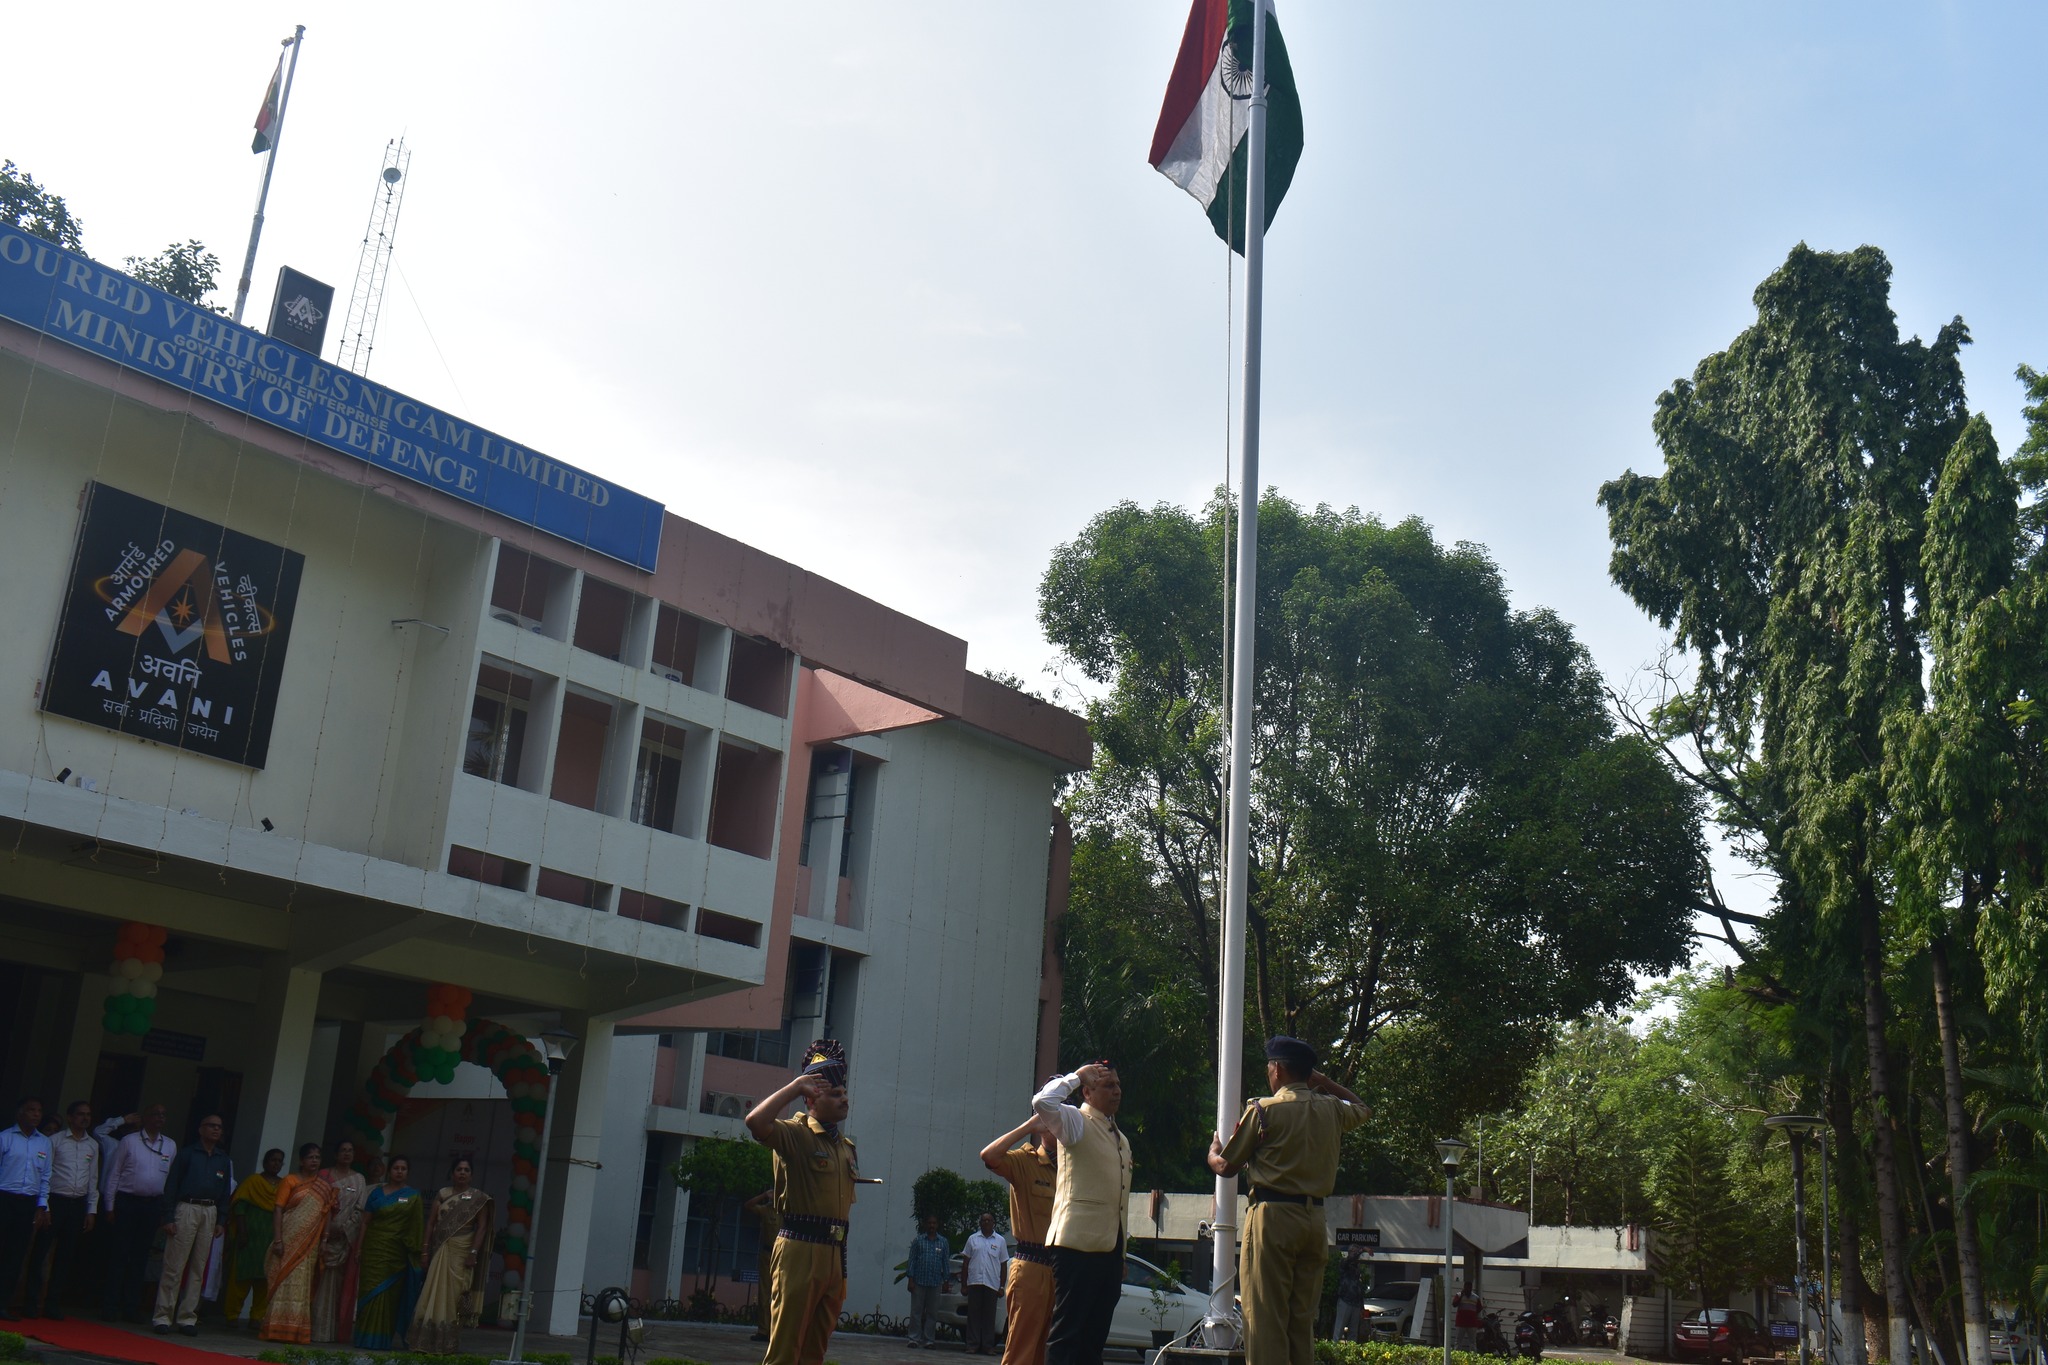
(266, 117)
(1200, 142)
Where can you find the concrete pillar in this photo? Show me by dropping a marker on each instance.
(571, 1189)
(286, 1000)
(671, 1221)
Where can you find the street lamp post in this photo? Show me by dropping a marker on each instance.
(1796, 1127)
(1450, 1151)
(556, 1045)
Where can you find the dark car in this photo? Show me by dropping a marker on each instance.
(1722, 1334)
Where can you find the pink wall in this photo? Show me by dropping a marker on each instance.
(731, 1077)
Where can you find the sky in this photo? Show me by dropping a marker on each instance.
(891, 292)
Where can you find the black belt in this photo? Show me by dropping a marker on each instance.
(1259, 1196)
(1035, 1252)
(818, 1229)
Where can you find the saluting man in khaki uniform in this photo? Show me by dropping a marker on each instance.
(1287, 1146)
(1030, 1169)
(815, 1170)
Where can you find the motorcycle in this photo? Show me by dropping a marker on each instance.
(1591, 1330)
(1557, 1325)
(1491, 1340)
(1529, 1336)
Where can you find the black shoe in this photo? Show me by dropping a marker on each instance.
(190, 1329)
(162, 1329)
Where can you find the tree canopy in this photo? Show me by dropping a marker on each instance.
(1452, 847)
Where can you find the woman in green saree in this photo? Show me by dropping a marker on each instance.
(394, 1231)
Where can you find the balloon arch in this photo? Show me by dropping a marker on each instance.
(423, 1054)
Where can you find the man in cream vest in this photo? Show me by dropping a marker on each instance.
(1087, 1230)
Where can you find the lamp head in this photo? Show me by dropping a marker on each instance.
(1795, 1123)
(558, 1043)
(1451, 1151)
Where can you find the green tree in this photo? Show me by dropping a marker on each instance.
(1695, 1213)
(1782, 545)
(185, 270)
(1573, 1122)
(29, 207)
(958, 1202)
(720, 1172)
(1447, 832)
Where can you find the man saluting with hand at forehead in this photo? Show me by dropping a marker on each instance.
(815, 1173)
(1287, 1146)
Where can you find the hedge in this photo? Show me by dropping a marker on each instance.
(1397, 1353)
(15, 1347)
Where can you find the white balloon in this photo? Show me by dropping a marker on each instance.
(131, 967)
(522, 1184)
(443, 1024)
(511, 1279)
(451, 1042)
(142, 990)
(152, 971)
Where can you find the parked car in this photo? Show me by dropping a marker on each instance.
(1132, 1323)
(2010, 1343)
(1388, 1307)
(1726, 1334)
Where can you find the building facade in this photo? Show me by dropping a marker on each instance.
(348, 697)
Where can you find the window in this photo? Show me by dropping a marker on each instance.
(497, 725)
(759, 675)
(565, 886)
(579, 755)
(750, 1045)
(743, 798)
(675, 645)
(527, 588)
(601, 618)
(488, 868)
(737, 1244)
(652, 1171)
(658, 775)
(650, 909)
(729, 928)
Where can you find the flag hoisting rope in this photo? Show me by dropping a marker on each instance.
(269, 130)
(1230, 134)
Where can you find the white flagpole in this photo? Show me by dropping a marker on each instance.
(1230, 1030)
(284, 100)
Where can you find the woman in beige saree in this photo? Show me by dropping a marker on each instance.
(304, 1204)
(334, 1283)
(458, 1261)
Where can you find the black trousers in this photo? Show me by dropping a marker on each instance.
(17, 1231)
(1085, 1288)
(981, 1317)
(136, 1219)
(58, 1245)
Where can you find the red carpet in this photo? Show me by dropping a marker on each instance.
(98, 1339)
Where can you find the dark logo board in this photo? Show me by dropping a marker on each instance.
(173, 629)
(299, 309)
(1365, 1238)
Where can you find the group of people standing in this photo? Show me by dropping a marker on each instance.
(1069, 1172)
(325, 1253)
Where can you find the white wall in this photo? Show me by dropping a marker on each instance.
(623, 1150)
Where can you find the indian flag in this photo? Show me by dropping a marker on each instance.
(1200, 142)
(266, 117)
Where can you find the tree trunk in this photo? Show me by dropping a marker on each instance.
(1969, 1256)
(1884, 1160)
(1863, 1310)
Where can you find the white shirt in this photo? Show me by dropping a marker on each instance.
(140, 1164)
(1050, 1104)
(75, 1166)
(985, 1256)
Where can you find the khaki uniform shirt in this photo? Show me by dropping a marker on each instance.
(1288, 1144)
(813, 1174)
(1031, 1177)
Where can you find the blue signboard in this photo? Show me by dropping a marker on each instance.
(73, 299)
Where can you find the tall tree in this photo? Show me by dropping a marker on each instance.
(1782, 545)
(1447, 831)
(185, 270)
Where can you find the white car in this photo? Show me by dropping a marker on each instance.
(1133, 1322)
(1388, 1307)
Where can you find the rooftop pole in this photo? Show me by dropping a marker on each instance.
(1230, 1023)
(269, 164)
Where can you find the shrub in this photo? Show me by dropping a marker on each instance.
(1396, 1353)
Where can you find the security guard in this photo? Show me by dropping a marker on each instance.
(1288, 1147)
(815, 1170)
(1030, 1169)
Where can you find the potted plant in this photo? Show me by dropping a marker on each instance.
(1164, 1285)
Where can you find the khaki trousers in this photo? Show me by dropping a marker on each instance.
(1285, 1249)
(810, 1285)
(1029, 1305)
(185, 1250)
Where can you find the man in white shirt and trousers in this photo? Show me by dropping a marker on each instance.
(988, 1261)
(1092, 1191)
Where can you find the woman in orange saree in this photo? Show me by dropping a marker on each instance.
(304, 1204)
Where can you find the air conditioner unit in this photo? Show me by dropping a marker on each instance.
(513, 618)
(731, 1106)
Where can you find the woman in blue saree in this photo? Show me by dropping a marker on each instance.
(394, 1230)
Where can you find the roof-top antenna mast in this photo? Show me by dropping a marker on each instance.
(373, 267)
